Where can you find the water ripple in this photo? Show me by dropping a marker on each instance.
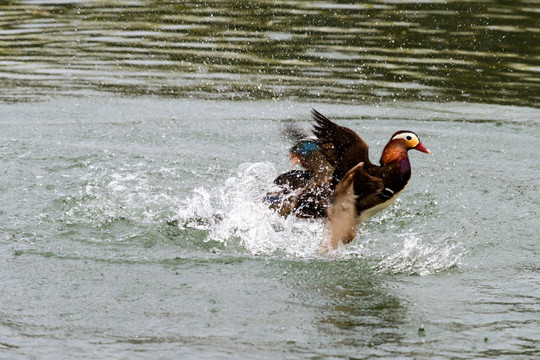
(470, 51)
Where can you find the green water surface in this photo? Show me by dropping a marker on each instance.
(137, 139)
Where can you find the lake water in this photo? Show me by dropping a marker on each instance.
(137, 139)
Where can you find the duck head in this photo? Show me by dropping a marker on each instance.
(401, 142)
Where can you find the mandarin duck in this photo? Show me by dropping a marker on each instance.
(339, 181)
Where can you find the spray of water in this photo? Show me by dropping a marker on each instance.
(235, 215)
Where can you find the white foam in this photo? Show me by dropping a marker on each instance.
(419, 257)
(235, 215)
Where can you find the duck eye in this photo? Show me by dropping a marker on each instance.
(409, 137)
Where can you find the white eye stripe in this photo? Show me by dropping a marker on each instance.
(405, 135)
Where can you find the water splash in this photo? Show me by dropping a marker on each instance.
(107, 194)
(419, 257)
(126, 203)
(235, 216)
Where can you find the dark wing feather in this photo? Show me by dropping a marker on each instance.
(294, 180)
(342, 147)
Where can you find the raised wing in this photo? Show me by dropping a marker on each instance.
(343, 210)
(341, 146)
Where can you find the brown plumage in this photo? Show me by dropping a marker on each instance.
(340, 181)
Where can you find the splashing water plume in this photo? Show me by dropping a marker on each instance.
(420, 258)
(234, 215)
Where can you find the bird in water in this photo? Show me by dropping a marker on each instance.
(339, 181)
